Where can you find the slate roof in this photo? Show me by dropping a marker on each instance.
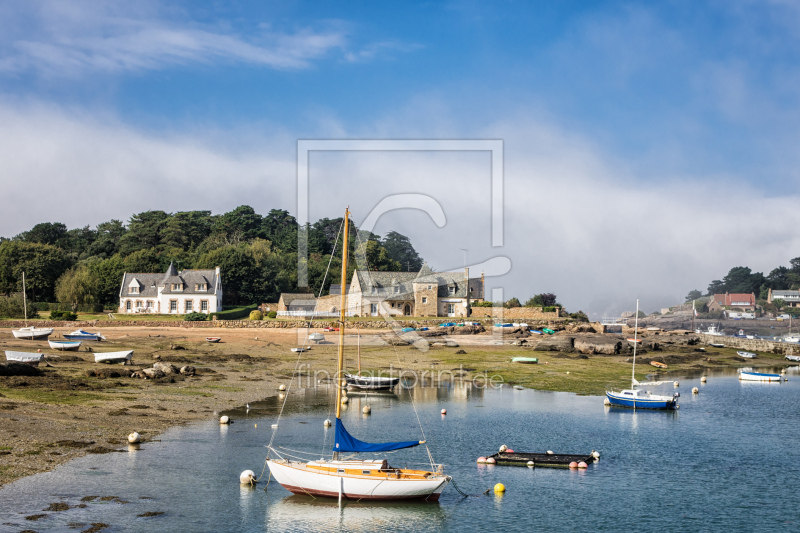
(288, 297)
(149, 283)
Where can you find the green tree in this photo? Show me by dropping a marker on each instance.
(53, 233)
(76, 287)
(107, 274)
(400, 249)
(241, 224)
(280, 228)
(513, 302)
(43, 264)
(743, 280)
(107, 240)
(186, 229)
(144, 232)
(717, 287)
(693, 295)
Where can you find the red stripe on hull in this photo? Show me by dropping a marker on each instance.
(313, 492)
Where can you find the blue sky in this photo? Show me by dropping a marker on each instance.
(649, 146)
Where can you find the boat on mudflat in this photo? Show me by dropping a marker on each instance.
(113, 357)
(64, 345)
(80, 335)
(795, 358)
(745, 375)
(32, 333)
(213, 339)
(746, 355)
(525, 360)
(658, 364)
(28, 358)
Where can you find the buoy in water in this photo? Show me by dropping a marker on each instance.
(531, 464)
(573, 464)
(695, 390)
(366, 410)
(345, 399)
(481, 460)
(444, 411)
(224, 419)
(134, 438)
(248, 477)
(503, 448)
(582, 465)
(676, 384)
(499, 488)
(595, 454)
(281, 387)
(327, 423)
(703, 379)
(509, 450)
(490, 461)
(39, 350)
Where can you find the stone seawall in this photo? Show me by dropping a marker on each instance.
(752, 345)
(509, 313)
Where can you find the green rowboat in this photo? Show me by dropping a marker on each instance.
(525, 360)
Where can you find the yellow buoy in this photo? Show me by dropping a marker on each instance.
(499, 488)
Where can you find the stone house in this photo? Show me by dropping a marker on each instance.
(423, 293)
(173, 292)
(297, 302)
(742, 301)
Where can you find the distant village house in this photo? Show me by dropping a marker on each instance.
(173, 292)
(728, 301)
(792, 298)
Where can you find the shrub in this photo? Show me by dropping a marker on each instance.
(272, 314)
(235, 313)
(256, 315)
(12, 307)
(195, 317)
(63, 315)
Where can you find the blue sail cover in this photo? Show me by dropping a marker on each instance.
(345, 442)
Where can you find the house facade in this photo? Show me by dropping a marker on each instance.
(742, 301)
(423, 293)
(173, 292)
(792, 298)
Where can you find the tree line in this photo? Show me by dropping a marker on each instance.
(258, 255)
(742, 279)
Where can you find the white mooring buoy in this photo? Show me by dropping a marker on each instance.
(327, 423)
(531, 464)
(595, 454)
(366, 409)
(345, 400)
(695, 390)
(703, 379)
(224, 419)
(281, 387)
(444, 411)
(503, 448)
(676, 384)
(248, 477)
(134, 438)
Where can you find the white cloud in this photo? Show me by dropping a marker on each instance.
(70, 38)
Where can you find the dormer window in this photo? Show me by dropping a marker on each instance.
(199, 287)
(177, 286)
(452, 291)
(397, 289)
(133, 289)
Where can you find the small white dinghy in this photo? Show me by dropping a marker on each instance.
(113, 357)
(64, 345)
(746, 355)
(28, 358)
(316, 337)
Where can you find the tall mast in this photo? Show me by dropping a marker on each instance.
(25, 302)
(635, 342)
(342, 316)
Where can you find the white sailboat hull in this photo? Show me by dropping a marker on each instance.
(28, 358)
(32, 333)
(298, 479)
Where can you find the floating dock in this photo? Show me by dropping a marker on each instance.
(555, 460)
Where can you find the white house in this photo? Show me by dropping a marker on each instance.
(174, 292)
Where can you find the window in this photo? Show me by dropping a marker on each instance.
(177, 286)
(173, 306)
(397, 289)
(451, 309)
(452, 291)
(424, 299)
(138, 303)
(200, 287)
(128, 306)
(133, 289)
(430, 287)
(149, 304)
(187, 306)
(373, 309)
(204, 306)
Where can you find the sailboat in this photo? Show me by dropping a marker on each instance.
(356, 479)
(32, 332)
(368, 383)
(639, 399)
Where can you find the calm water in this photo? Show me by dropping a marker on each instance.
(726, 460)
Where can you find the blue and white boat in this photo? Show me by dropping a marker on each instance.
(80, 335)
(746, 375)
(64, 345)
(639, 399)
